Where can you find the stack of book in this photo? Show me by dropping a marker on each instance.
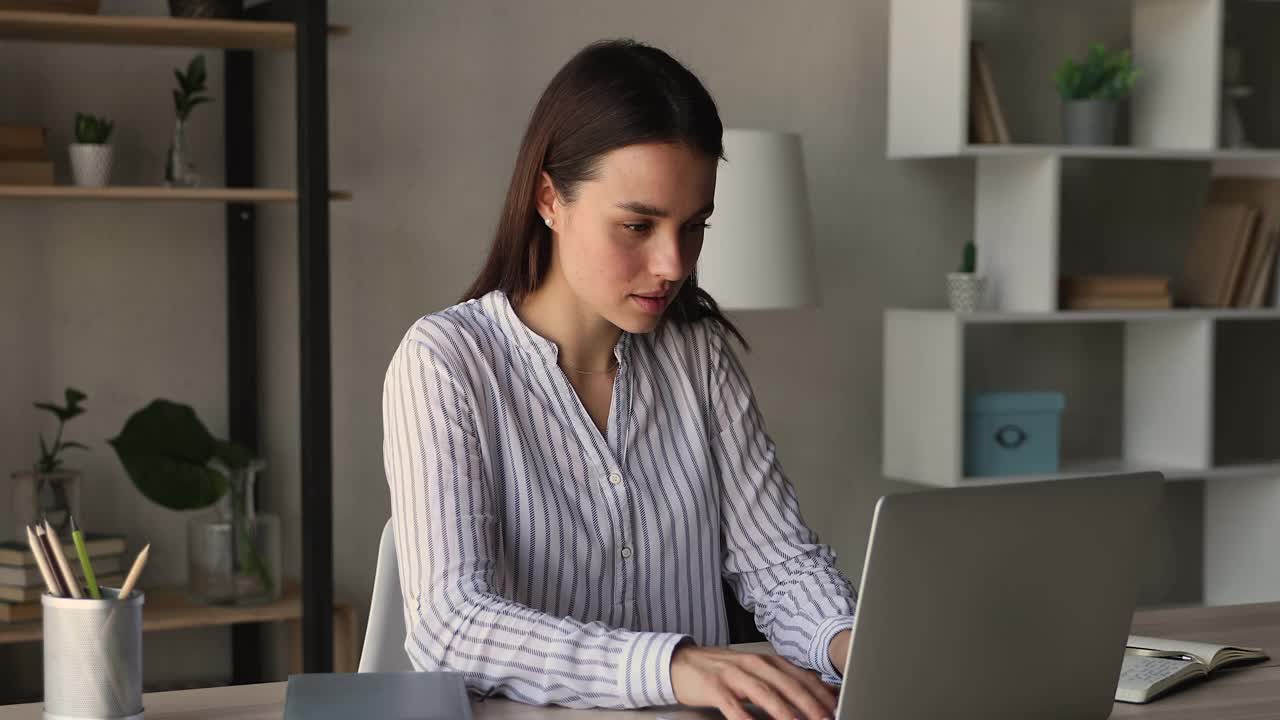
(21, 583)
(1116, 292)
(1231, 262)
(24, 156)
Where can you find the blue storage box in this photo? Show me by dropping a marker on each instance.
(1012, 433)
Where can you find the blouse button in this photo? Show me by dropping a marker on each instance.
(626, 551)
(615, 478)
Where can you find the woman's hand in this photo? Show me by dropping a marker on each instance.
(724, 678)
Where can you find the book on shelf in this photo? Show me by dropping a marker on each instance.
(1264, 279)
(1117, 302)
(14, 553)
(26, 172)
(1218, 253)
(28, 576)
(22, 142)
(1251, 261)
(19, 612)
(1153, 666)
(1116, 285)
(986, 118)
(1116, 292)
(12, 594)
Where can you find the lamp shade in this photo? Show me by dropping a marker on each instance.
(758, 252)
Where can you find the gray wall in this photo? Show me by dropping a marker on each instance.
(428, 102)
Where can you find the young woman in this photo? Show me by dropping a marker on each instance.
(575, 456)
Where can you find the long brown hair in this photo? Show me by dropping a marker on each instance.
(613, 93)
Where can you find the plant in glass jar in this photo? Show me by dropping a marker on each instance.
(48, 490)
(233, 551)
(178, 170)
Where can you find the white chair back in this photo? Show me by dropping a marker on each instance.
(385, 636)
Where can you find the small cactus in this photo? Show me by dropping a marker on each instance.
(969, 261)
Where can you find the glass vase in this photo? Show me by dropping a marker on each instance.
(233, 551)
(38, 496)
(178, 170)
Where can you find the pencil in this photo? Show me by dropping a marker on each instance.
(134, 572)
(63, 590)
(55, 544)
(38, 550)
(90, 580)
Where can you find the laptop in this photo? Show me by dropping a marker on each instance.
(1002, 601)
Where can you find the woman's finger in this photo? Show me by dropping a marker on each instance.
(796, 692)
(748, 686)
(727, 702)
(826, 694)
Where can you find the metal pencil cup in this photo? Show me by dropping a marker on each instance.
(93, 657)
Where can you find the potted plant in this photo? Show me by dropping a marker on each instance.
(1091, 93)
(233, 551)
(965, 286)
(91, 155)
(48, 490)
(178, 170)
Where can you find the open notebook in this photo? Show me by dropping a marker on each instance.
(1153, 666)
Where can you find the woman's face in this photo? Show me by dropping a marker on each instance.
(630, 238)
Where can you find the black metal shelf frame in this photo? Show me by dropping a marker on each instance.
(310, 20)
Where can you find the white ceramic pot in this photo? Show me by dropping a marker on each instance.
(964, 291)
(91, 164)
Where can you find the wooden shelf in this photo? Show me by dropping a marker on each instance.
(1097, 316)
(171, 609)
(1099, 152)
(149, 30)
(150, 193)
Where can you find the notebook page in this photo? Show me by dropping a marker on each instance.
(1205, 652)
(1143, 677)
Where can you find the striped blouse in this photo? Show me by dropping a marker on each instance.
(555, 564)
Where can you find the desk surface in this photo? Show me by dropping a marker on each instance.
(1248, 693)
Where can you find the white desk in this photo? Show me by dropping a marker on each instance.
(1248, 693)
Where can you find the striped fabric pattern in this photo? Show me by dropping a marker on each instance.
(555, 564)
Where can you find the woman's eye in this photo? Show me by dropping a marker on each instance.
(699, 226)
(636, 227)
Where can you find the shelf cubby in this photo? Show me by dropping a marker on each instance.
(1247, 394)
(1145, 390)
(1174, 109)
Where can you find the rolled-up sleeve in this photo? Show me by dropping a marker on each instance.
(446, 521)
(773, 561)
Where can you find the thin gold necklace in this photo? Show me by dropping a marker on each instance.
(609, 369)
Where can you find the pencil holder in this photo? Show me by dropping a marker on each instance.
(93, 657)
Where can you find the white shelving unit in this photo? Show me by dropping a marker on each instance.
(1169, 359)
(1018, 189)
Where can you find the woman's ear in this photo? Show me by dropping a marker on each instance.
(545, 199)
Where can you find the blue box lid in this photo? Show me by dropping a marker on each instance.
(1015, 402)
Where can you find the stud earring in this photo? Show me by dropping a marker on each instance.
(547, 221)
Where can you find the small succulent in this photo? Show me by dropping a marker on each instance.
(186, 97)
(92, 130)
(1103, 75)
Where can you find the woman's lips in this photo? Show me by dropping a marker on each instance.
(651, 305)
